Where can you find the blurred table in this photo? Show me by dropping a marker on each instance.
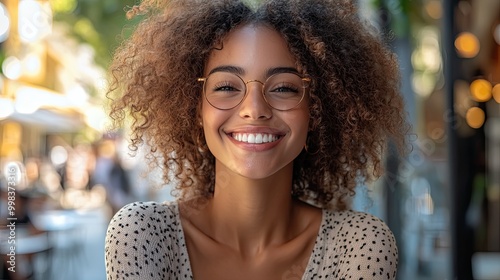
(486, 265)
(66, 239)
(29, 248)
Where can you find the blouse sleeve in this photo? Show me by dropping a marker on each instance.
(366, 248)
(135, 245)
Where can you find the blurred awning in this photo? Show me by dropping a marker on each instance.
(43, 108)
(50, 121)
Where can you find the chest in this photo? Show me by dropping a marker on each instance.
(277, 263)
(212, 259)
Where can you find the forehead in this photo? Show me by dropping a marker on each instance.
(254, 48)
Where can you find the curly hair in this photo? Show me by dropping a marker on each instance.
(355, 104)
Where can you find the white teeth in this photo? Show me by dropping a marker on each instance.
(255, 138)
(258, 138)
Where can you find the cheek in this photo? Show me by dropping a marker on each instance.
(209, 115)
(304, 126)
(212, 120)
(301, 121)
(207, 118)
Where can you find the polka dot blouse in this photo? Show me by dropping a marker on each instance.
(145, 240)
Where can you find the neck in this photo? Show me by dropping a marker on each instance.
(250, 215)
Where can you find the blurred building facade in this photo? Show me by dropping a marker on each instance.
(52, 124)
(47, 82)
(442, 201)
(472, 90)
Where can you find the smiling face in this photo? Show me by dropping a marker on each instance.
(253, 139)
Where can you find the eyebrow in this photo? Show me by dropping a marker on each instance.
(277, 70)
(228, 68)
(240, 71)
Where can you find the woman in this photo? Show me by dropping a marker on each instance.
(265, 118)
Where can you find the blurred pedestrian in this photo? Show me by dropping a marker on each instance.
(109, 173)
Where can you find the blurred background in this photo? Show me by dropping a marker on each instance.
(68, 173)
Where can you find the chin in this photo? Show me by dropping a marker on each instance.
(259, 171)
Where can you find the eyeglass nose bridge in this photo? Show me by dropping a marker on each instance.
(263, 84)
(254, 81)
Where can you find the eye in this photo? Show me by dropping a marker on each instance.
(224, 86)
(284, 87)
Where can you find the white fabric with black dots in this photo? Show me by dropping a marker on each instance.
(145, 240)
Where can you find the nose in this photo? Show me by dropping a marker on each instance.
(254, 106)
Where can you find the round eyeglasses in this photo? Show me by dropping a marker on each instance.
(282, 91)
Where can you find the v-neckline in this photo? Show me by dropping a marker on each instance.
(184, 251)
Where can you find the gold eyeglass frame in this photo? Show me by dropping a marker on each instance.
(306, 80)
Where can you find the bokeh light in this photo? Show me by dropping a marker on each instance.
(475, 117)
(58, 155)
(467, 45)
(7, 108)
(12, 68)
(496, 93)
(480, 90)
(4, 23)
(496, 34)
(434, 9)
(426, 61)
(64, 6)
(32, 64)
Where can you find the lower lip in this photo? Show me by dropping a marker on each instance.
(255, 147)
